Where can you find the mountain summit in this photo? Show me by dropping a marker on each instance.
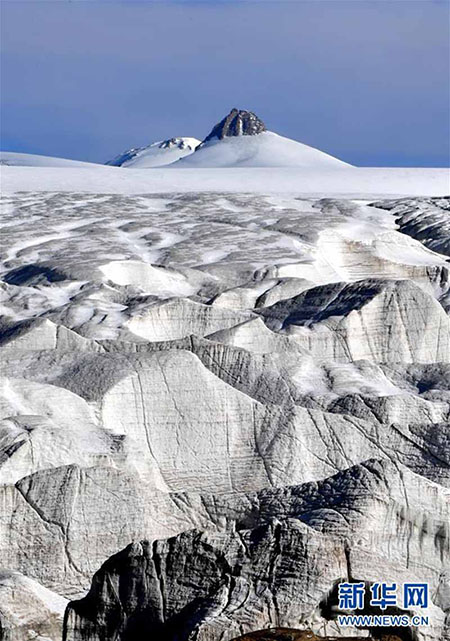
(237, 123)
(242, 140)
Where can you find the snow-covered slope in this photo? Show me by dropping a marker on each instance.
(238, 140)
(14, 159)
(265, 149)
(158, 154)
(354, 182)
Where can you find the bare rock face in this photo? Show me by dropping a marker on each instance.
(238, 123)
(215, 407)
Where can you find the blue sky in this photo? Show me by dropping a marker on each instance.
(365, 80)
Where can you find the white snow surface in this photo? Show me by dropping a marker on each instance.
(266, 149)
(15, 159)
(158, 154)
(351, 182)
(179, 245)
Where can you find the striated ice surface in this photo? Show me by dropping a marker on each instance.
(216, 406)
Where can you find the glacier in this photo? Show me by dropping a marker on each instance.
(224, 390)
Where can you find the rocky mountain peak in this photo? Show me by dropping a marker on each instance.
(237, 123)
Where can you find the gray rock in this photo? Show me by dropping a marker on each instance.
(237, 123)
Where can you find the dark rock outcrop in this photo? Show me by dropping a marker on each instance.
(238, 123)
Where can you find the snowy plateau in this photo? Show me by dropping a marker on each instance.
(225, 390)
